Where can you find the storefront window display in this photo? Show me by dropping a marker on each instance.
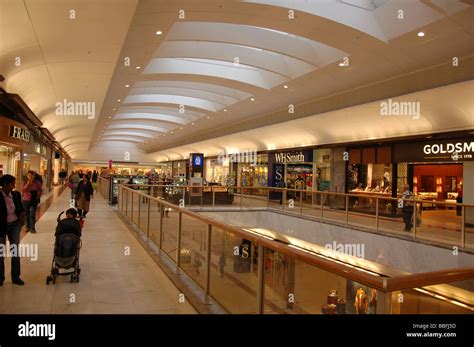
(255, 176)
(9, 160)
(322, 174)
(370, 170)
(217, 172)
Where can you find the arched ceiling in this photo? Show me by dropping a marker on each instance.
(216, 64)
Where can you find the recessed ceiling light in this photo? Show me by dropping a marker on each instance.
(192, 123)
(138, 67)
(225, 110)
(159, 32)
(208, 117)
(114, 109)
(127, 85)
(421, 34)
(119, 100)
(181, 128)
(285, 86)
(252, 99)
(171, 132)
(110, 117)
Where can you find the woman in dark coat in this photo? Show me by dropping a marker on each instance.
(84, 194)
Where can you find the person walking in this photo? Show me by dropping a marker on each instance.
(222, 264)
(62, 176)
(95, 174)
(408, 207)
(11, 220)
(74, 182)
(32, 191)
(84, 194)
(459, 201)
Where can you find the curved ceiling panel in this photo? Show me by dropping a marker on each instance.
(256, 57)
(174, 99)
(299, 47)
(200, 94)
(142, 134)
(213, 88)
(173, 111)
(140, 127)
(214, 68)
(130, 117)
(121, 139)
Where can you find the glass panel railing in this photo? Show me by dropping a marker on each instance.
(233, 273)
(193, 248)
(170, 232)
(295, 287)
(468, 231)
(136, 202)
(293, 281)
(154, 227)
(429, 300)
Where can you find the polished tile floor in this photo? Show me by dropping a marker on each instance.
(118, 276)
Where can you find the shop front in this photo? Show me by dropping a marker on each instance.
(14, 137)
(217, 172)
(37, 156)
(292, 170)
(439, 170)
(251, 175)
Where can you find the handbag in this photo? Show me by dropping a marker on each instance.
(70, 185)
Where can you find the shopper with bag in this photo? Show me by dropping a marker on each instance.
(32, 191)
(11, 221)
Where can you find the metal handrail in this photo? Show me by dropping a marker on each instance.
(356, 195)
(379, 282)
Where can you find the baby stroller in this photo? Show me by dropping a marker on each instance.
(66, 249)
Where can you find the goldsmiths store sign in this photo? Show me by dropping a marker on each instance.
(455, 150)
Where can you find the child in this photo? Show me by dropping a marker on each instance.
(69, 225)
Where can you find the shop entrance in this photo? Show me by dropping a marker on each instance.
(9, 160)
(299, 176)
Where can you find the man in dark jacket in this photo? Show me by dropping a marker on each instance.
(11, 216)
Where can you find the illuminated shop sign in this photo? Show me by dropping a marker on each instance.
(293, 157)
(436, 151)
(19, 133)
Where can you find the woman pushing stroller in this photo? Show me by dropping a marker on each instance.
(66, 247)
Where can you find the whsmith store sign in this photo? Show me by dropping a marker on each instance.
(293, 157)
(435, 151)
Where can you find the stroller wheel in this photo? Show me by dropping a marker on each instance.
(54, 279)
(55, 272)
(48, 279)
(72, 278)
